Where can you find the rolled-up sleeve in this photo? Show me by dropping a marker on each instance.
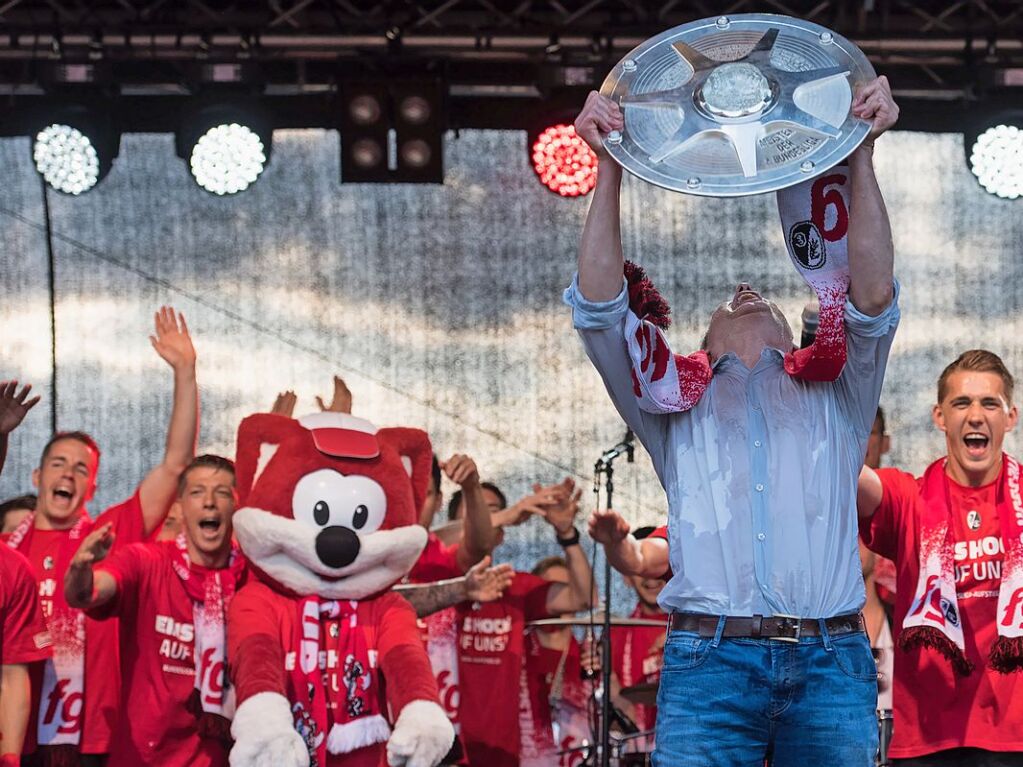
(868, 343)
(601, 326)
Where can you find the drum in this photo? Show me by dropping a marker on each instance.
(884, 736)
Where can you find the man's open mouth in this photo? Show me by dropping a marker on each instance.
(210, 524)
(976, 443)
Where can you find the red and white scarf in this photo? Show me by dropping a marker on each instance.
(815, 218)
(351, 717)
(211, 591)
(934, 619)
(63, 691)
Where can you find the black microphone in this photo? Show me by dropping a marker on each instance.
(625, 446)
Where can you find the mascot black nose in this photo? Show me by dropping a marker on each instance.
(337, 546)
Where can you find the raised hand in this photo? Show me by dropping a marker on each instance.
(342, 402)
(874, 102)
(171, 340)
(486, 584)
(14, 405)
(95, 547)
(461, 469)
(534, 505)
(561, 514)
(284, 404)
(599, 116)
(608, 527)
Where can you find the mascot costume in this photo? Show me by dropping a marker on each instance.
(323, 656)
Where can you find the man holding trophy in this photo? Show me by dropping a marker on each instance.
(758, 445)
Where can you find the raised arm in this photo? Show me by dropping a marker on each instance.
(15, 705)
(478, 537)
(481, 584)
(581, 590)
(82, 587)
(868, 493)
(601, 263)
(647, 558)
(14, 405)
(174, 345)
(871, 252)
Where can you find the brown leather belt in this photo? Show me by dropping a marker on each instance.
(781, 627)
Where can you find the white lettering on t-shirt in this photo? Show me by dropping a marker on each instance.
(181, 631)
(987, 546)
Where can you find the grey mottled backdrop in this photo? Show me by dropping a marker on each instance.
(440, 305)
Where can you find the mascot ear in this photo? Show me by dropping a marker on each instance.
(259, 437)
(413, 445)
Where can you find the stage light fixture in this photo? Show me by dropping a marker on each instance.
(392, 130)
(995, 155)
(563, 162)
(73, 148)
(226, 145)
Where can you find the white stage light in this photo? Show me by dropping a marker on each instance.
(227, 158)
(996, 159)
(66, 158)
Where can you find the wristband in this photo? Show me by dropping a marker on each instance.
(571, 540)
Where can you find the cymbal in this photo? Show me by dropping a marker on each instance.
(644, 694)
(597, 620)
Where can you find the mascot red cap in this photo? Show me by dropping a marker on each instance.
(328, 524)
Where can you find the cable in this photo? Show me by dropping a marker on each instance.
(52, 289)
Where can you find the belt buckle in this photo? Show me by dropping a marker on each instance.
(789, 620)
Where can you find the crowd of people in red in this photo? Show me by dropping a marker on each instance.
(108, 657)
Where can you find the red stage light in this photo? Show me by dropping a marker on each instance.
(564, 162)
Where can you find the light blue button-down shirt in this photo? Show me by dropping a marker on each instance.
(761, 474)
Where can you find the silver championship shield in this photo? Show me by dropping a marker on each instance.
(737, 105)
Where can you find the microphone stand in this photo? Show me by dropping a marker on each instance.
(605, 466)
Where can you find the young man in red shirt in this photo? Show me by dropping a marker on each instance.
(24, 640)
(171, 598)
(954, 535)
(76, 718)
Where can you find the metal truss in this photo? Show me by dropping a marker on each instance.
(951, 50)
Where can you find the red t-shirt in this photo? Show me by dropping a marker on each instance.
(637, 655)
(158, 666)
(438, 562)
(557, 695)
(934, 709)
(24, 637)
(491, 647)
(100, 713)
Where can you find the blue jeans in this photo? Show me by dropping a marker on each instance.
(738, 702)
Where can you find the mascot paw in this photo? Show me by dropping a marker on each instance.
(264, 735)
(422, 736)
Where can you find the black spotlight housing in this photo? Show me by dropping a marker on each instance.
(392, 130)
(225, 141)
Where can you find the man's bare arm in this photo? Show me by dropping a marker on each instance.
(15, 705)
(601, 263)
(84, 588)
(481, 584)
(174, 345)
(871, 251)
(477, 539)
(647, 558)
(869, 493)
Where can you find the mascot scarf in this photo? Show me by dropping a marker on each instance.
(933, 619)
(815, 219)
(351, 716)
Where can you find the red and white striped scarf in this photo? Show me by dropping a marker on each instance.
(815, 219)
(351, 715)
(211, 592)
(934, 619)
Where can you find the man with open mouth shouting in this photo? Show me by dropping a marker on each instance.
(171, 598)
(80, 685)
(955, 537)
